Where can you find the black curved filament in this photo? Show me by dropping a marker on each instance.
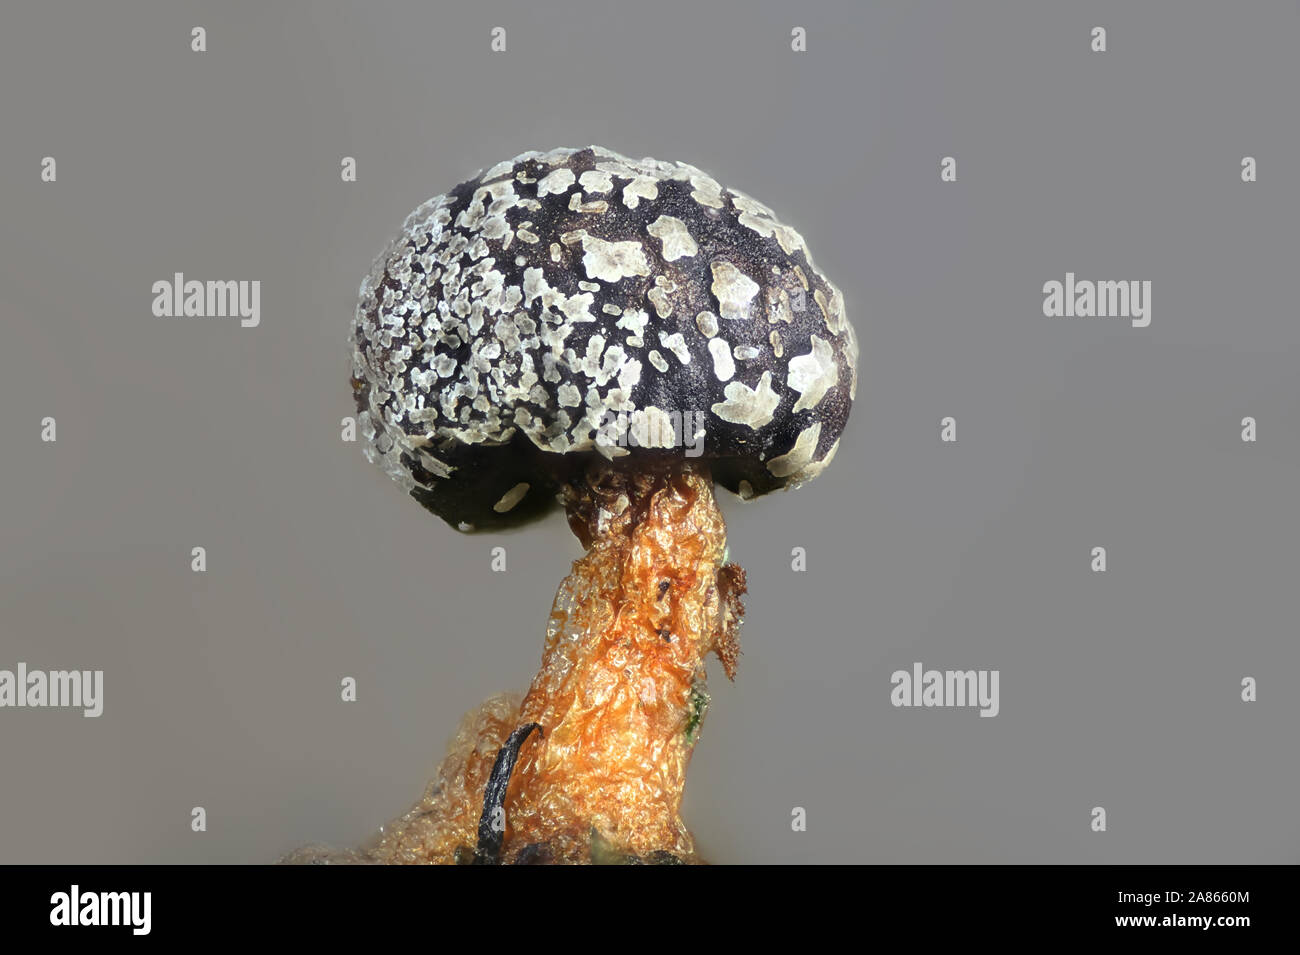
(490, 837)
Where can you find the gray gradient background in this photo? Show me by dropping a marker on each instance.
(222, 689)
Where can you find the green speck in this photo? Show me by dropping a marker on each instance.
(695, 708)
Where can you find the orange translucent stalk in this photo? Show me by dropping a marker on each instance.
(620, 695)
